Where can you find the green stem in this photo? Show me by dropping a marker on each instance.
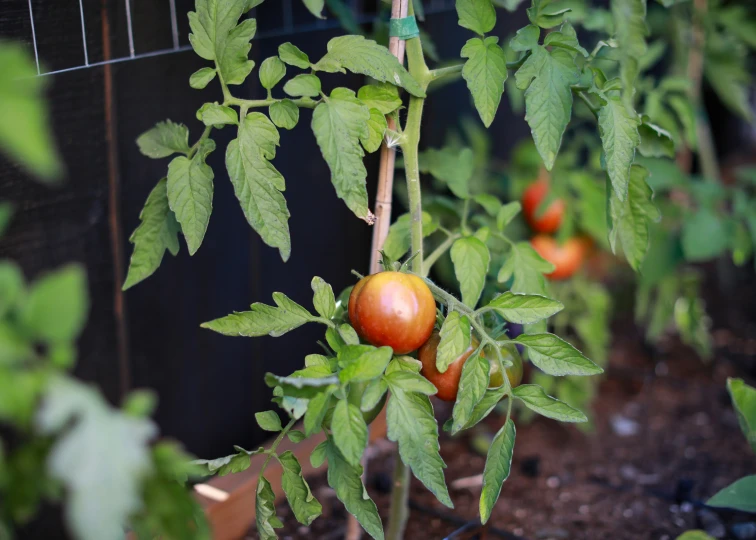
(305, 102)
(439, 73)
(273, 447)
(442, 248)
(203, 138)
(584, 97)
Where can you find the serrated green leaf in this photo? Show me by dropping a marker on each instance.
(410, 382)
(498, 466)
(484, 407)
(235, 463)
(524, 308)
(485, 72)
(257, 183)
(382, 96)
(547, 13)
(619, 135)
(365, 56)
(190, 194)
(455, 339)
(377, 126)
(346, 481)
(202, 77)
(323, 299)
(566, 38)
(546, 77)
(740, 495)
(157, 232)
(265, 511)
(56, 306)
(471, 259)
(301, 500)
(292, 55)
(744, 401)
(527, 267)
(363, 362)
(476, 15)
(305, 84)
(506, 214)
(213, 114)
(555, 356)
(316, 411)
(339, 124)
(398, 240)
(216, 36)
(272, 70)
(655, 141)
(284, 113)
(268, 420)
(412, 425)
(261, 320)
(349, 431)
(525, 39)
(404, 363)
(472, 386)
(536, 399)
(164, 139)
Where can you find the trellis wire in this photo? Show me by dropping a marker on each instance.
(288, 28)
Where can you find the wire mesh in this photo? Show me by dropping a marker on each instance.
(286, 28)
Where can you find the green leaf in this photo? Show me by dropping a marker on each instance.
(630, 32)
(566, 38)
(268, 420)
(235, 463)
(374, 391)
(546, 78)
(292, 55)
(740, 495)
(630, 220)
(410, 382)
(272, 70)
(213, 114)
(703, 236)
(315, 7)
(316, 411)
(452, 167)
(536, 399)
(506, 214)
(398, 240)
(725, 68)
(57, 304)
(157, 232)
(284, 114)
(262, 320)
(527, 267)
(216, 36)
(619, 135)
(349, 431)
(190, 194)
(490, 204)
(498, 466)
(412, 425)
(339, 123)
(524, 308)
(484, 407)
(265, 511)
(384, 97)
(301, 500)
(476, 15)
(365, 56)
(472, 385)
(363, 362)
(404, 363)
(99, 454)
(202, 77)
(547, 13)
(485, 72)
(377, 126)
(25, 132)
(471, 259)
(455, 340)
(525, 39)
(349, 335)
(686, 114)
(688, 535)
(304, 84)
(318, 455)
(655, 141)
(346, 481)
(302, 387)
(323, 299)
(164, 139)
(555, 356)
(744, 400)
(257, 183)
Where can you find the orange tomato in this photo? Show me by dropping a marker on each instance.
(567, 258)
(550, 219)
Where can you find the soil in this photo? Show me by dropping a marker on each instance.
(666, 438)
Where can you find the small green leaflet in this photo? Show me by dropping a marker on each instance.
(216, 36)
(263, 319)
(377, 126)
(362, 363)
(201, 78)
(382, 96)
(268, 420)
(546, 77)
(656, 141)
(323, 299)
(301, 500)
(471, 259)
(365, 56)
(547, 13)
(744, 401)
(373, 394)
(349, 431)
(536, 399)
(292, 55)
(498, 466)
(484, 407)
(704, 235)
(235, 463)
(346, 481)
(455, 339)
(284, 113)
(265, 511)
(410, 382)
(476, 15)
(157, 232)
(315, 7)
(302, 387)
(318, 455)
(555, 356)
(190, 194)
(527, 267)
(630, 220)
(619, 135)
(740, 495)
(304, 84)
(316, 411)
(688, 535)
(272, 70)
(257, 183)
(485, 72)
(524, 308)
(339, 123)
(472, 385)
(506, 214)
(452, 167)
(411, 424)
(213, 114)
(398, 240)
(164, 139)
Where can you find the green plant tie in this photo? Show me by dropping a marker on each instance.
(405, 28)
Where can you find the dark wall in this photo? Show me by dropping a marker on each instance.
(210, 386)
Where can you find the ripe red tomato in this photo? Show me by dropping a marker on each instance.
(447, 382)
(567, 258)
(394, 309)
(550, 219)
